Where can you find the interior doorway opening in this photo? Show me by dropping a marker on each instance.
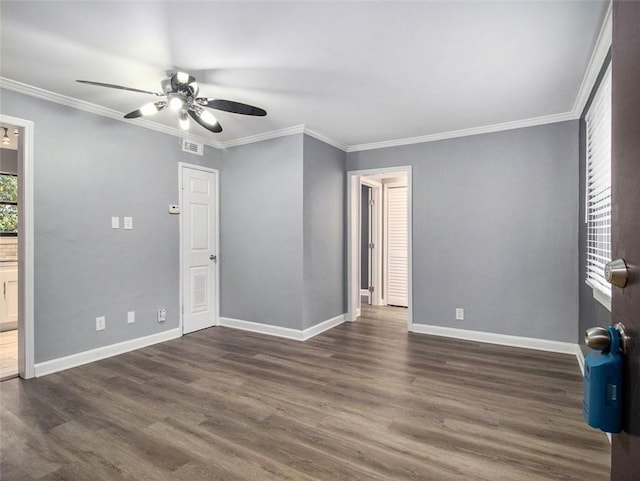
(379, 253)
(10, 153)
(16, 200)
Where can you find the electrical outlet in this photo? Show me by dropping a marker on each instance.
(131, 317)
(162, 315)
(459, 314)
(128, 223)
(115, 222)
(101, 323)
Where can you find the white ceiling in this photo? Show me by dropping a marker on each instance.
(358, 72)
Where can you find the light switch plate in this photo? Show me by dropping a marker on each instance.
(128, 223)
(115, 222)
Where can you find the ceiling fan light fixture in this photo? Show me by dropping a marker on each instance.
(180, 92)
(5, 137)
(176, 102)
(149, 109)
(182, 77)
(207, 117)
(184, 120)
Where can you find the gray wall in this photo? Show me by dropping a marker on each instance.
(261, 232)
(324, 232)
(88, 168)
(364, 237)
(494, 229)
(591, 312)
(8, 161)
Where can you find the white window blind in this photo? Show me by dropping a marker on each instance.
(598, 186)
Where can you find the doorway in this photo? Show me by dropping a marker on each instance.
(16, 247)
(199, 273)
(9, 251)
(379, 242)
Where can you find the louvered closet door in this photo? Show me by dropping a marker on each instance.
(397, 247)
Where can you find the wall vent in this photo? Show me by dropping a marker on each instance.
(192, 147)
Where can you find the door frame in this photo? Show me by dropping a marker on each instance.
(353, 239)
(181, 166)
(375, 273)
(385, 232)
(26, 336)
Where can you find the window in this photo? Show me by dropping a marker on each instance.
(8, 204)
(598, 186)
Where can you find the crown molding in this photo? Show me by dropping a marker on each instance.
(595, 63)
(43, 94)
(326, 139)
(274, 134)
(518, 124)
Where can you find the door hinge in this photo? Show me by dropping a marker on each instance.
(370, 288)
(372, 203)
(371, 246)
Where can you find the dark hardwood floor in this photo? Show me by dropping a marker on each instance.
(363, 401)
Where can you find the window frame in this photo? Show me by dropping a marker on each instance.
(598, 190)
(8, 202)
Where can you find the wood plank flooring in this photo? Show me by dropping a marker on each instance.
(8, 354)
(363, 401)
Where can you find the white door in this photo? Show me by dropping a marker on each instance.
(397, 247)
(199, 249)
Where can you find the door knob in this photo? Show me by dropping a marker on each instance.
(212, 257)
(617, 273)
(600, 339)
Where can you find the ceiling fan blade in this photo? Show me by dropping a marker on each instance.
(231, 106)
(146, 110)
(119, 87)
(205, 119)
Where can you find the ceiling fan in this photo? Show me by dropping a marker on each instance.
(181, 92)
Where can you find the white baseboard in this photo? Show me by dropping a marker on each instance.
(580, 358)
(501, 339)
(312, 331)
(286, 332)
(74, 360)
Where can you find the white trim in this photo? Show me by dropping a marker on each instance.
(364, 292)
(500, 339)
(26, 351)
(580, 358)
(99, 110)
(485, 129)
(323, 326)
(326, 139)
(353, 244)
(595, 63)
(600, 296)
(354, 226)
(285, 332)
(181, 166)
(74, 360)
(297, 129)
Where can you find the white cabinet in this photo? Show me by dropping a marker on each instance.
(8, 295)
